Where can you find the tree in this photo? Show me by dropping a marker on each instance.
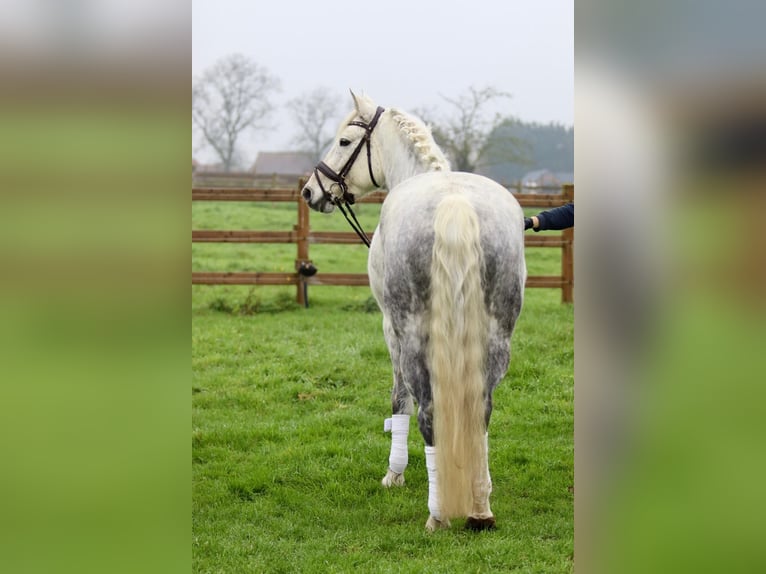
(548, 146)
(464, 135)
(230, 98)
(315, 113)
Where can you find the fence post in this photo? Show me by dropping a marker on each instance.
(567, 253)
(302, 239)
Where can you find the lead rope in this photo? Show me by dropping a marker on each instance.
(355, 225)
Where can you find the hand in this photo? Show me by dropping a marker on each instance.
(528, 223)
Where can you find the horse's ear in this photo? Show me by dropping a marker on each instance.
(363, 104)
(357, 103)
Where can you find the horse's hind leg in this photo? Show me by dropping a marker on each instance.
(498, 357)
(425, 423)
(411, 377)
(481, 517)
(401, 408)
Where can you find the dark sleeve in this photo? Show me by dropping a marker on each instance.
(557, 218)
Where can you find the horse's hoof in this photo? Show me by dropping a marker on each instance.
(477, 524)
(432, 524)
(392, 479)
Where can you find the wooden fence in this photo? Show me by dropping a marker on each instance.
(303, 236)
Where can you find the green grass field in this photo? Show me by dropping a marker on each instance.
(287, 424)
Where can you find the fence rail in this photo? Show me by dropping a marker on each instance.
(303, 236)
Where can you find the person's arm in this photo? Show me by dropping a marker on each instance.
(552, 219)
(531, 223)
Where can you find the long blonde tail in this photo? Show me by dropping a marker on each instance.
(456, 353)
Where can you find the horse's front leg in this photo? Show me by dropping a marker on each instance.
(402, 408)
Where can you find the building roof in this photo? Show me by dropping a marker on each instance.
(284, 163)
(536, 175)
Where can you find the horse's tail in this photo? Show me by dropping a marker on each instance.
(457, 351)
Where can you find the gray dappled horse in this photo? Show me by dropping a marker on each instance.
(446, 266)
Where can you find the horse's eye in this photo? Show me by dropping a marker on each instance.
(344, 142)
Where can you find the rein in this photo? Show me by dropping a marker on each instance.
(347, 199)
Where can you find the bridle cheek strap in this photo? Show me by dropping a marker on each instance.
(365, 139)
(340, 176)
(345, 197)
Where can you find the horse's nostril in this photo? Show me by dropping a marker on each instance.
(306, 193)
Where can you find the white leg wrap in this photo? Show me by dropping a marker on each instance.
(433, 489)
(400, 427)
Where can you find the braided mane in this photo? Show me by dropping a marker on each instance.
(423, 144)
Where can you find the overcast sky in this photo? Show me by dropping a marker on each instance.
(402, 53)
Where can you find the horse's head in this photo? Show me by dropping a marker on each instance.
(351, 168)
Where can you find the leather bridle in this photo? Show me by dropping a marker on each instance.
(345, 198)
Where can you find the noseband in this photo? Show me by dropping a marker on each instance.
(339, 177)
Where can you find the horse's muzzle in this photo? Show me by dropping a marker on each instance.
(323, 204)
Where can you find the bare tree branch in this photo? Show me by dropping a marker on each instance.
(231, 97)
(464, 135)
(316, 114)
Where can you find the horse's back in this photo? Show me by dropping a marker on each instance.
(409, 209)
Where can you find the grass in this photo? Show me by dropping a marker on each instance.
(287, 425)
